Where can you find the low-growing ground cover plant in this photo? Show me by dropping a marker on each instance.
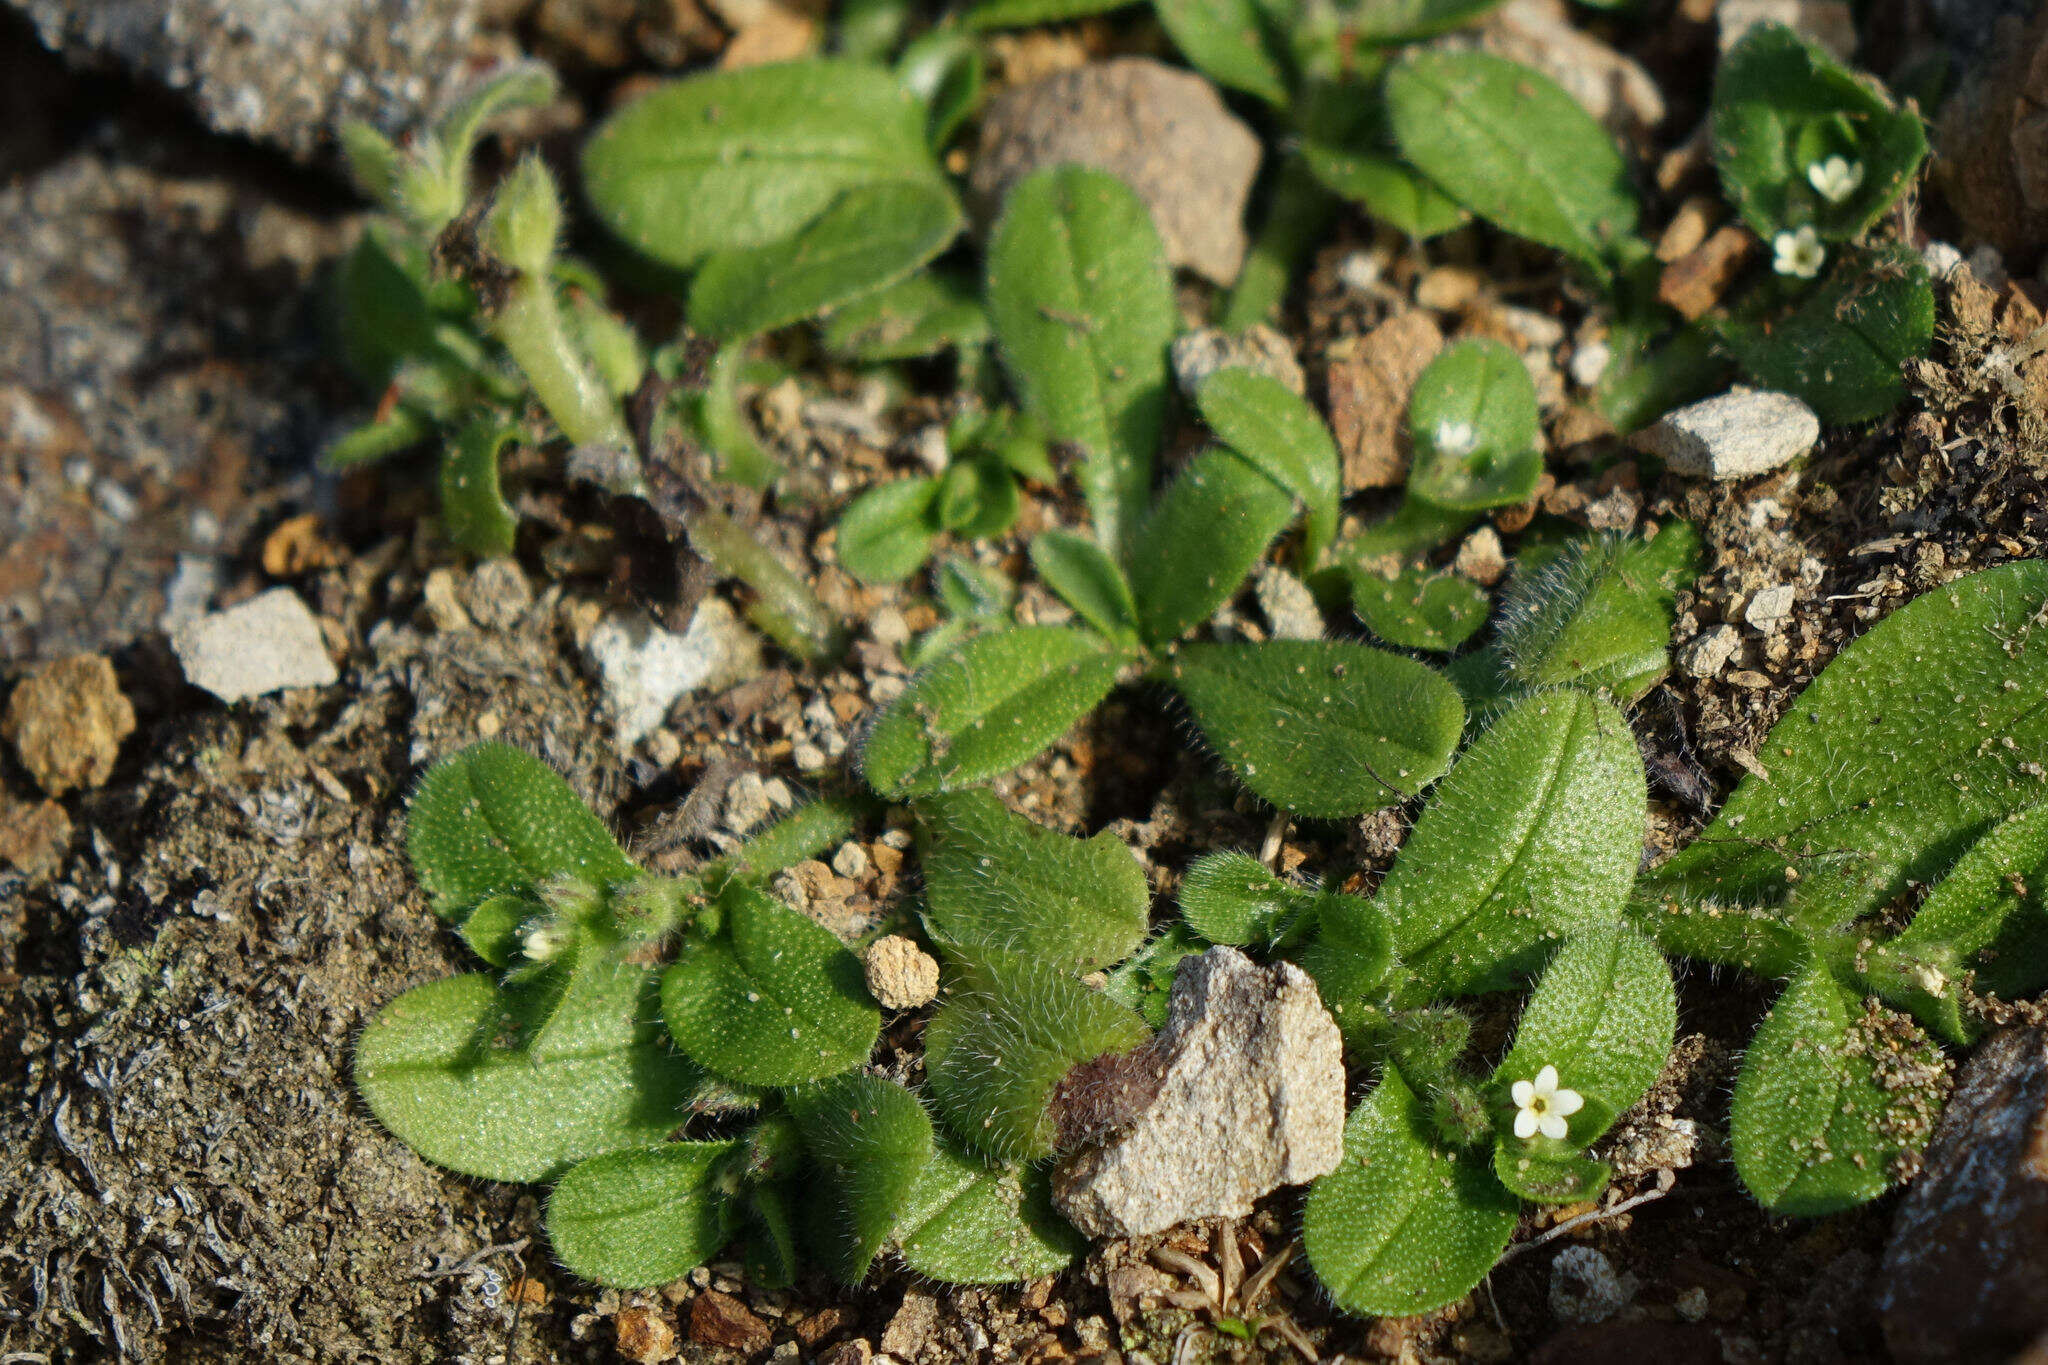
(688, 1062)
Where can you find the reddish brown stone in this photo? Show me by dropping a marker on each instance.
(1369, 383)
(721, 1320)
(1695, 282)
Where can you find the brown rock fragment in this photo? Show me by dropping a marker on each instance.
(1695, 282)
(1991, 143)
(66, 721)
(33, 836)
(1962, 1278)
(721, 1320)
(1368, 384)
(644, 1337)
(1164, 132)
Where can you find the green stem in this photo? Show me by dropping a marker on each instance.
(784, 607)
(726, 429)
(530, 325)
(1297, 218)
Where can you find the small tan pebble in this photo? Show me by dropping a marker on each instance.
(889, 628)
(815, 1328)
(1369, 379)
(295, 546)
(66, 721)
(443, 602)
(851, 861)
(644, 1336)
(1692, 1303)
(1481, 557)
(901, 975)
(664, 747)
(497, 594)
(529, 1291)
(33, 838)
(1769, 606)
(809, 758)
(1694, 283)
(887, 860)
(855, 1352)
(1448, 288)
(1689, 226)
(719, 1319)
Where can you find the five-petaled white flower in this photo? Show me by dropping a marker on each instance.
(1835, 177)
(1798, 253)
(1456, 438)
(1540, 1106)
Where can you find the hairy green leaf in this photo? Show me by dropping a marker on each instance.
(1231, 898)
(1089, 581)
(1986, 921)
(871, 237)
(773, 999)
(1403, 1226)
(1834, 1102)
(1417, 609)
(919, 315)
(1535, 834)
(1389, 188)
(1599, 615)
(1545, 1178)
(736, 159)
(1277, 432)
(994, 879)
(642, 1218)
(1604, 1014)
(985, 708)
(1322, 728)
(1232, 42)
(966, 1222)
(1011, 1029)
(805, 832)
(1193, 552)
(873, 1140)
(473, 509)
(1920, 737)
(1508, 143)
(1472, 423)
(1782, 109)
(518, 1083)
(1144, 981)
(887, 532)
(492, 818)
(1841, 350)
(1082, 303)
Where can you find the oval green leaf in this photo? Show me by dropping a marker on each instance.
(1191, 555)
(985, 708)
(736, 159)
(1082, 304)
(1599, 615)
(917, 316)
(772, 1000)
(632, 1220)
(1322, 728)
(966, 1222)
(887, 532)
(1536, 834)
(993, 879)
(1089, 581)
(1472, 423)
(1417, 609)
(1275, 430)
(873, 1140)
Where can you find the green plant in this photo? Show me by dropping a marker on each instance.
(1911, 762)
(886, 533)
(576, 1058)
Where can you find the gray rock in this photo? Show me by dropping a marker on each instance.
(1831, 23)
(1962, 1277)
(1584, 1287)
(1611, 87)
(268, 643)
(644, 669)
(1769, 606)
(281, 71)
(1288, 605)
(1202, 352)
(1162, 131)
(1251, 1097)
(1743, 433)
(1707, 653)
(751, 800)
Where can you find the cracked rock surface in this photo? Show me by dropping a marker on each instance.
(1250, 1098)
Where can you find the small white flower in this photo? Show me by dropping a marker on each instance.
(1798, 253)
(543, 941)
(1541, 1107)
(1456, 438)
(1836, 178)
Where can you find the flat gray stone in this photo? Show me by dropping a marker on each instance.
(1250, 1072)
(1162, 131)
(285, 72)
(268, 643)
(1743, 433)
(644, 669)
(1202, 352)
